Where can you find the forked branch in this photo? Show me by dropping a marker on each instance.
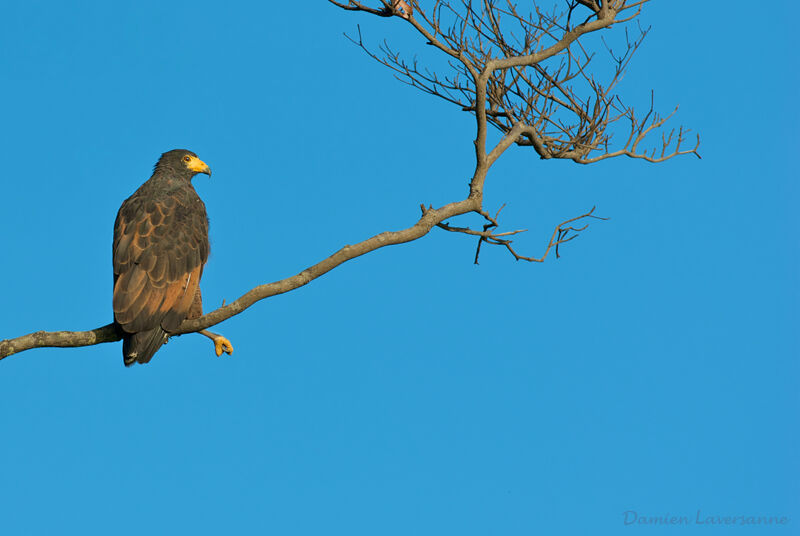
(563, 233)
(529, 69)
(107, 333)
(524, 73)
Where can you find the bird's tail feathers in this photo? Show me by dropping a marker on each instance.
(140, 347)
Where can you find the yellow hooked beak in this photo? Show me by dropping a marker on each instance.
(198, 166)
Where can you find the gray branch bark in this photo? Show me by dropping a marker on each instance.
(499, 77)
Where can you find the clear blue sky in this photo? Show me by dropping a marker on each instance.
(652, 368)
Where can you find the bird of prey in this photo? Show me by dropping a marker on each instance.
(160, 248)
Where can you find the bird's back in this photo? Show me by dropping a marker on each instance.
(159, 249)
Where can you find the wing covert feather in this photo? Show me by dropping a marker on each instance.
(159, 249)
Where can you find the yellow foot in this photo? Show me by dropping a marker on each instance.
(221, 344)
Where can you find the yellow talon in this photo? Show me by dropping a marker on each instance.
(221, 344)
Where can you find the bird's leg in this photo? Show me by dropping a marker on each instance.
(221, 344)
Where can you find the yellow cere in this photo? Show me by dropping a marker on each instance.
(195, 164)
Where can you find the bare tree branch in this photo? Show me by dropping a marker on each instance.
(560, 235)
(58, 339)
(107, 333)
(527, 75)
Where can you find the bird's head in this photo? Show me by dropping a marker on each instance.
(182, 163)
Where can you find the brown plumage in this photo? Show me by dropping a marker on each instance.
(160, 248)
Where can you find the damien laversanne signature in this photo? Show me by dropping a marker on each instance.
(632, 517)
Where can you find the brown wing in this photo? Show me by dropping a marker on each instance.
(160, 247)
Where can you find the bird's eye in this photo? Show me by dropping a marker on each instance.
(187, 158)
